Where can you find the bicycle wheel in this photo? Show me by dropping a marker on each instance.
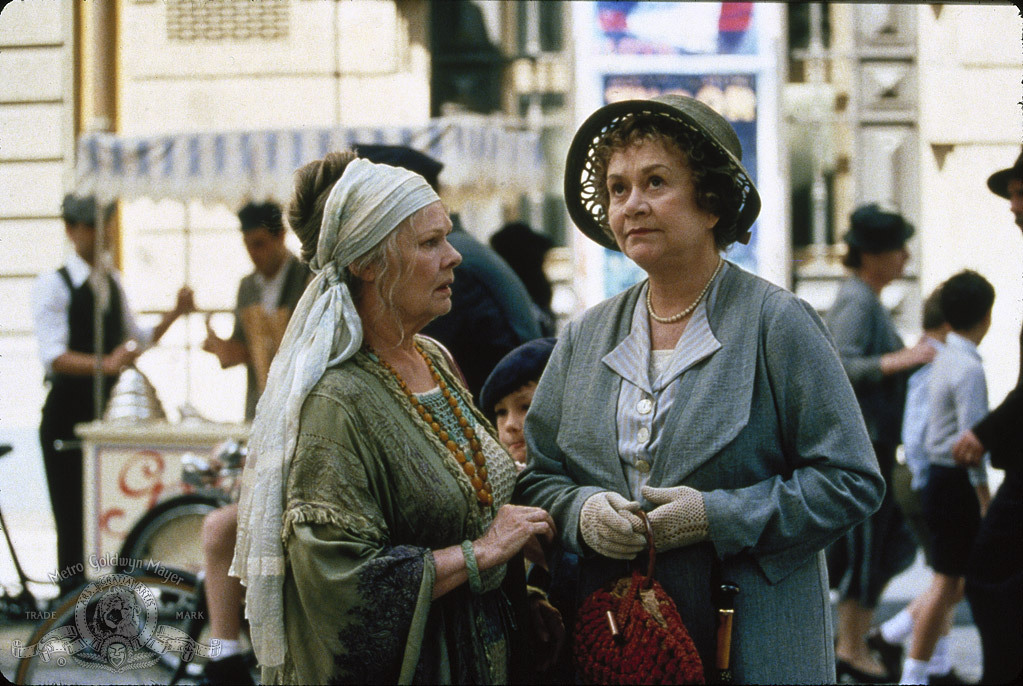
(171, 534)
(119, 629)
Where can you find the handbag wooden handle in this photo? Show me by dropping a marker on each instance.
(651, 552)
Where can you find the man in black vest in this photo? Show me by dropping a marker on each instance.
(63, 309)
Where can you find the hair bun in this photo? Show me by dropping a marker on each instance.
(313, 182)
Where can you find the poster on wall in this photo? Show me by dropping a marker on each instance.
(725, 58)
(635, 27)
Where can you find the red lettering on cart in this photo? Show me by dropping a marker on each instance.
(149, 464)
(104, 522)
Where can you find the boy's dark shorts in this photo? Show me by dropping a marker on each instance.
(952, 513)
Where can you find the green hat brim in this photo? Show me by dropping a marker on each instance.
(580, 193)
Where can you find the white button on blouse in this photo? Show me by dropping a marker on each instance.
(643, 435)
(645, 406)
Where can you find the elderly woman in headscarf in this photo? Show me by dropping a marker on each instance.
(712, 399)
(374, 527)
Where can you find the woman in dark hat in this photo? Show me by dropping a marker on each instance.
(703, 395)
(878, 364)
(525, 251)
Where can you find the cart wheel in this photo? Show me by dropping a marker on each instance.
(170, 534)
(172, 599)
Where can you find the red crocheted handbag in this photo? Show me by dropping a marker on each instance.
(630, 632)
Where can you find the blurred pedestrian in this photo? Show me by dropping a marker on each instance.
(994, 579)
(376, 540)
(490, 307)
(63, 307)
(525, 250)
(703, 395)
(878, 364)
(907, 483)
(954, 498)
(266, 299)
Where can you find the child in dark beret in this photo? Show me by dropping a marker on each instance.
(508, 392)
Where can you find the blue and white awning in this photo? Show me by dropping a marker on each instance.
(479, 156)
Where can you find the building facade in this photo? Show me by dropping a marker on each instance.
(908, 105)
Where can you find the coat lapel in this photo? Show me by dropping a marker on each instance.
(630, 359)
(713, 401)
(600, 400)
(696, 344)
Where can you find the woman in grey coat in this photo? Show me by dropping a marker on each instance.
(706, 396)
(878, 365)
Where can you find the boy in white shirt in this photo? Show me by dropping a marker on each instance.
(954, 497)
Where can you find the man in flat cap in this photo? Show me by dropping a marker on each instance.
(994, 578)
(63, 310)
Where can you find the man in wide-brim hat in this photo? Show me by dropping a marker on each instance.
(994, 578)
(1008, 183)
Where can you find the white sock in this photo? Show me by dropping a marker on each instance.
(941, 659)
(914, 672)
(228, 648)
(897, 629)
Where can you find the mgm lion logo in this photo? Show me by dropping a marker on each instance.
(115, 629)
(116, 618)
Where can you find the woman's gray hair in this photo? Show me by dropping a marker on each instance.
(384, 256)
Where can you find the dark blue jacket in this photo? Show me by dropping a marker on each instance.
(491, 311)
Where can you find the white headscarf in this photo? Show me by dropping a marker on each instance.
(364, 206)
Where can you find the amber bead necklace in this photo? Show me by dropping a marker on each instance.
(475, 470)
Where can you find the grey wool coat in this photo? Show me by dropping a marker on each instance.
(767, 428)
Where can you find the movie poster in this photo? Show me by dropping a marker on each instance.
(724, 57)
(636, 27)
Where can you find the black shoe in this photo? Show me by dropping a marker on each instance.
(890, 654)
(847, 674)
(949, 677)
(234, 669)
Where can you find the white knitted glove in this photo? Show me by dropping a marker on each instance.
(609, 527)
(680, 518)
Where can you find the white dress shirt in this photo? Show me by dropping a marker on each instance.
(270, 289)
(914, 420)
(650, 386)
(958, 399)
(51, 300)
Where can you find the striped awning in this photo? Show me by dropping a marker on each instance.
(480, 155)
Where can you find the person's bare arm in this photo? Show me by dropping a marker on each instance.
(74, 363)
(228, 351)
(184, 304)
(907, 358)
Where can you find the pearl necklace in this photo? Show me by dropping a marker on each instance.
(475, 470)
(686, 312)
